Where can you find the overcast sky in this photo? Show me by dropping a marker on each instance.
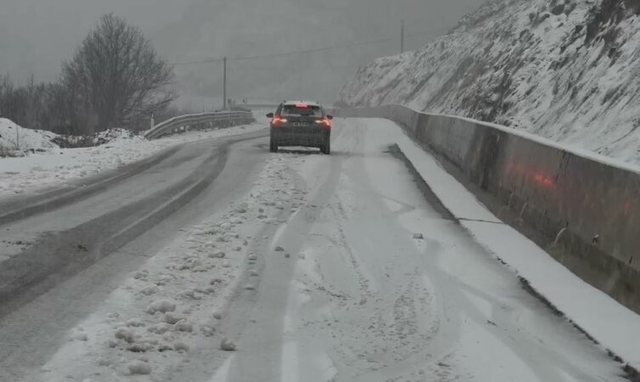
(37, 35)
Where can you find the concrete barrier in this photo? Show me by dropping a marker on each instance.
(585, 207)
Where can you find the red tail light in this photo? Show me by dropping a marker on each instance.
(278, 121)
(325, 123)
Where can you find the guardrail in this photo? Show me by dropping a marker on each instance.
(584, 207)
(199, 121)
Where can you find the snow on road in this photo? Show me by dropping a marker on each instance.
(336, 268)
(170, 308)
(56, 167)
(385, 288)
(614, 325)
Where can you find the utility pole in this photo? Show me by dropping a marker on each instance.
(402, 37)
(224, 84)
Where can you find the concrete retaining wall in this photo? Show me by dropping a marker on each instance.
(587, 208)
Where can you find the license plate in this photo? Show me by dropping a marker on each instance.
(300, 124)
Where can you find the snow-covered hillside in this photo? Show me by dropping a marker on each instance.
(563, 69)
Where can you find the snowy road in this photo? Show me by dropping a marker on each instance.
(55, 267)
(319, 268)
(363, 298)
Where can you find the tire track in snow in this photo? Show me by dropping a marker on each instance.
(263, 313)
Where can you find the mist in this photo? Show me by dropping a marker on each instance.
(36, 37)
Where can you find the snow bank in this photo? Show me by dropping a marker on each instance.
(16, 140)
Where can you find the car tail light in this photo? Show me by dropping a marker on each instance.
(302, 106)
(278, 121)
(325, 123)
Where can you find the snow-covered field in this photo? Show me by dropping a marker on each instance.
(56, 166)
(565, 70)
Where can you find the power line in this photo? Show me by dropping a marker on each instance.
(295, 52)
(274, 55)
(225, 60)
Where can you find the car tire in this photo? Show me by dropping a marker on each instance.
(326, 148)
(273, 147)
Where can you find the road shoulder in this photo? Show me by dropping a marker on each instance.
(612, 325)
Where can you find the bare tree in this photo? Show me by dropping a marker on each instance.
(44, 106)
(116, 78)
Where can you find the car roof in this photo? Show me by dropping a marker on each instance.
(310, 103)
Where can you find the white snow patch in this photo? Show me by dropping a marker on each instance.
(16, 140)
(162, 306)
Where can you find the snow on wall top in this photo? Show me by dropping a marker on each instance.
(567, 70)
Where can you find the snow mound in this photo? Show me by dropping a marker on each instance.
(115, 135)
(16, 140)
(162, 306)
(227, 345)
(111, 136)
(562, 69)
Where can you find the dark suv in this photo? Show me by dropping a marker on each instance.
(300, 123)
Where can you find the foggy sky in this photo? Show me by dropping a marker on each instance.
(37, 35)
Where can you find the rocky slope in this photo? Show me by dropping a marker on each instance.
(563, 69)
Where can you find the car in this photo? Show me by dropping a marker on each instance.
(300, 123)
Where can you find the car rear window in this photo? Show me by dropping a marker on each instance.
(302, 110)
